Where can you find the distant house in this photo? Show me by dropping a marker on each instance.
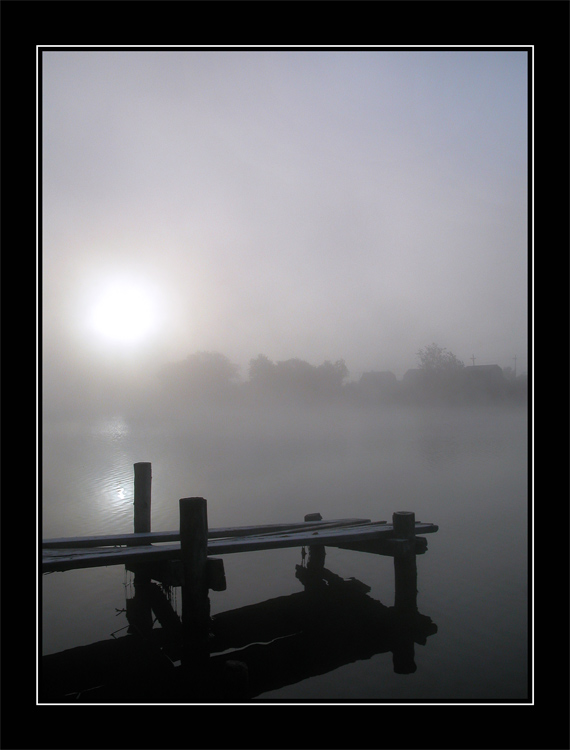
(476, 373)
(486, 381)
(477, 382)
(483, 374)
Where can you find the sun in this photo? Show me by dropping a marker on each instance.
(124, 313)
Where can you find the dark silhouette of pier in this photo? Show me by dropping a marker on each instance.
(246, 652)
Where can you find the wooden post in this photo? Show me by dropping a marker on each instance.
(139, 611)
(404, 522)
(143, 480)
(405, 569)
(405, 599)
(195, 601)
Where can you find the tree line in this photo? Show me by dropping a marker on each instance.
(440, 375)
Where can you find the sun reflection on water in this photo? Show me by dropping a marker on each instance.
(111, 486)
(111, 429)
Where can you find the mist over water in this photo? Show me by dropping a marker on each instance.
(464, 468)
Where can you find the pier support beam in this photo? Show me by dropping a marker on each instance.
(405, 569)
(405, 599)
(195, 600)
(143, 481)
(139, 611)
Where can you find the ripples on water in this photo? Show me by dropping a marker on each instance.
(87, 479)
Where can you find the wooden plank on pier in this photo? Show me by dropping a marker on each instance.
(156, 537)
(69, 559)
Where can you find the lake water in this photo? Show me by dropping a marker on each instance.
(464, 469)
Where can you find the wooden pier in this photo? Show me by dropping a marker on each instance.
(185, 558)
(360, 534)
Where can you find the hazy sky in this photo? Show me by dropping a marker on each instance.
(322, 205)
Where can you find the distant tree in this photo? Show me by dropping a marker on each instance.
(296, 377)
(332, 375)
(261, 369)
(434, 358)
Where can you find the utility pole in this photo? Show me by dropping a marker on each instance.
(473, 359)
(515, 359)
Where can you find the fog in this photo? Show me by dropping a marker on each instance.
(324, 206)
(294, 282)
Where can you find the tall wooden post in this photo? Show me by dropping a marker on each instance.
(404, 522)
(139, 611)
(405, 599)
(405, 569)
(143, 481)
(195, 601)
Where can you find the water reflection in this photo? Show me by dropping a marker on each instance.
(251, 650)
(111, 489)
(111, 429)
(87, 478)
